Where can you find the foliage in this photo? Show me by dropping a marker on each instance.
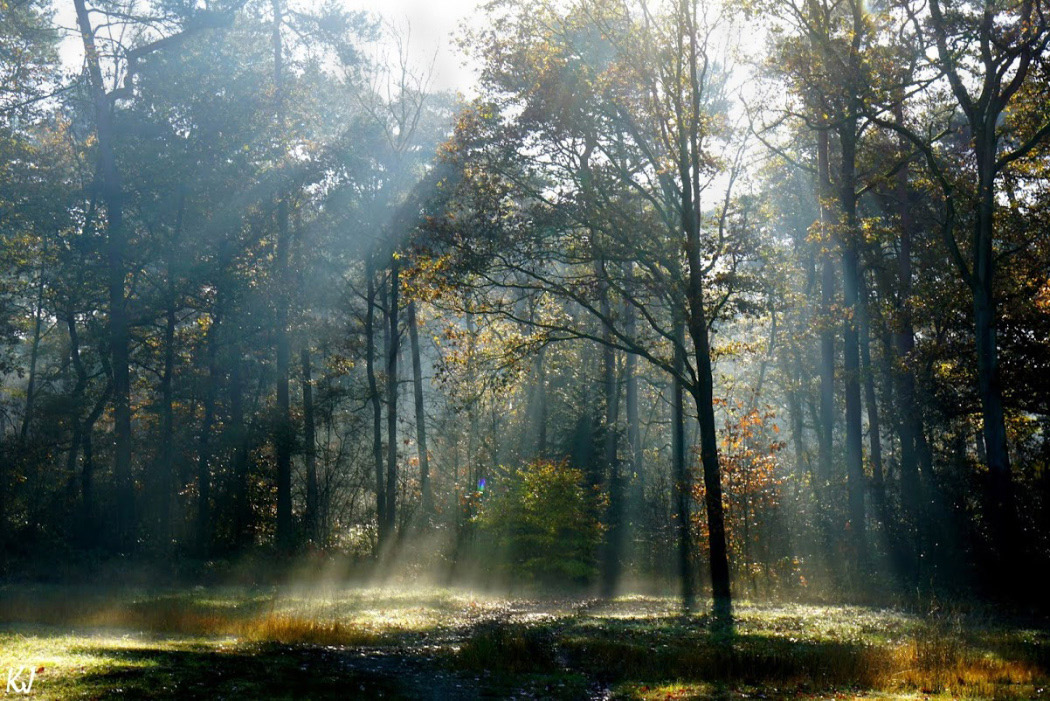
(545, 520)
(750, 447)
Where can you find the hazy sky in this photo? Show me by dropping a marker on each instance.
(431, 22)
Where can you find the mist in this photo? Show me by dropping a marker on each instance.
(673, 349)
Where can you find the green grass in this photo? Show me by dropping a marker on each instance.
(86, 666)
(334, 643)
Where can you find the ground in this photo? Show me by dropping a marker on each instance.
(331, 642)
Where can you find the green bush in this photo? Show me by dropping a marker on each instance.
(545, 520)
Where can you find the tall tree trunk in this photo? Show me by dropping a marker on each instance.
(310, 448)
(634, 428)
(112, 193)
(73, 454)
(421, 417)
(803, 463)
(851, 286)
(985, 318)
(689, 139)
(239, 434)
(613, 555)
(38, 318)
(165, 482)
(391, 396)
(89, 516)
(825, 435)
(703, 395)
(541, 397)
(204, 450)
(4, 496)
(87, 506)
(905, 347)
(871, 403)
(474, 463)
(534, 441)
(284, 431)
(377, 409)
(682, 484)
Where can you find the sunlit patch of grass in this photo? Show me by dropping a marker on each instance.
(675, 691)
(138, 667)
(290, 630)
(697, 691)
(66, 664)
(334, 617)
(938, 663)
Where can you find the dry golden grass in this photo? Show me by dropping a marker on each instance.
(944, 666)
(257, 620)
(288, 630)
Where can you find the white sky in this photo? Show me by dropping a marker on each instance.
(432, 24)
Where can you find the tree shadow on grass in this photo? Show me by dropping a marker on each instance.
(656, 652)
(256, 672)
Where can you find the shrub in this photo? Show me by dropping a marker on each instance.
(546, 521)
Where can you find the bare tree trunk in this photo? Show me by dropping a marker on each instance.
(689, 156)
(798, 437)
(985, 318)
(391, 397)
(634, 429)
(825, 435)
(421, 417)
(682, 484)
(284, 431)
(703, 394)
(38, 318)
(534, 441)
(204, 524)
(89, 516)
(851, 285)
(613, 555)
(377, 410)
(871, 403)
(310, 448)
(239, 434)
(905, 346)
(165, 481)
(87, 497)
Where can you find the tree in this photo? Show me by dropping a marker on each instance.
(998, 50)
(110, 186)
(605, 132)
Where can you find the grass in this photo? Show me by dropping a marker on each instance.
(79, 666)
(283, 643)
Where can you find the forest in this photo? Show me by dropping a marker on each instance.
(689, 349)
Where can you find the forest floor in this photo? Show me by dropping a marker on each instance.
(277, 643)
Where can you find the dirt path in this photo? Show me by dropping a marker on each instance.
(423, 671)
